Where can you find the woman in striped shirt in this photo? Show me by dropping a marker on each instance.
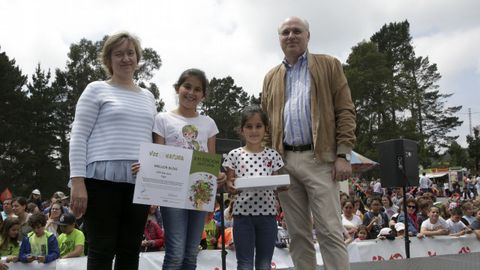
(112, 119)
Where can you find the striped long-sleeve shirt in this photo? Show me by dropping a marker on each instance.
(110, 123)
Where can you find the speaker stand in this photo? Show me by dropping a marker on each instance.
(406, 220)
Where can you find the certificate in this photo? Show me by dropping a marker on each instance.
(176, 177)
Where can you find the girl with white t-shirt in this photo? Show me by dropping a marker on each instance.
(184, 127)
(254, 214)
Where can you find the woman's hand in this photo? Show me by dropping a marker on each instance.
(135, 168)
(79, 197)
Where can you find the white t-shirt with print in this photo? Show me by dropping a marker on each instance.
(185, 132)
(254, 202)
(440, 224)
(455, 227)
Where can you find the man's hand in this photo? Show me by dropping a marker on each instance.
(79, 197)
(342, 169)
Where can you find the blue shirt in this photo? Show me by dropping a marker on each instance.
(297, 113)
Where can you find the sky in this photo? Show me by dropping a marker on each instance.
(238, 38)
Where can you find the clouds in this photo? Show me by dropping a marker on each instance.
(239, 38)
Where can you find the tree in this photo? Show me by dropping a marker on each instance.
(368, 75)
(396, 94)
(224, 103)
(474, 148)
(13, 122)
(458, 155)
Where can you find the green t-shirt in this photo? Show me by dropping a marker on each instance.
(39, 245)
(211, 231)
(67, 243)
(10, 250)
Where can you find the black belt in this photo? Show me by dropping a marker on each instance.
(298, 148)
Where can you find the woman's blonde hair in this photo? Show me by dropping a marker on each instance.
(112, 42)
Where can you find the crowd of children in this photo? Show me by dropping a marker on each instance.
(427, 217)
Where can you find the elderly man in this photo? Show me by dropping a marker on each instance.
(313, 126)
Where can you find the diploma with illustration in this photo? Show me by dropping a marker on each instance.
(176, 177)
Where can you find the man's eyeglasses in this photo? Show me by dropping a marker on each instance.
(411, 206)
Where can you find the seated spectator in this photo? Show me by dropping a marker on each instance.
(362, 233)
(343, 197)
(475, 226)
(209, 241)
(476, 223)
(9, 239)
(455, 226)
(228, 214)
(154, 214)
(40, 244)
(228, 239)
(413, 227)
(72, 241)
(36, 198)
(154, 239)
(386, 233)
(58, 196)
(19, 206)
(359, 207)
(7, 209)
(434, 225)
(468, 213)
(388, 207)
(283, 238)
(423, 206)
(350, 221)
(54, 214)
(374, 219)
(400, 230)
(466, 195)
(32, 208)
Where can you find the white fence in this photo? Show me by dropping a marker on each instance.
(368, 250)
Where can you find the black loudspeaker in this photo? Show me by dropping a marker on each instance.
(398, 163)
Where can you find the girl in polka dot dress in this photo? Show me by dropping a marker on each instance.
(254, 223)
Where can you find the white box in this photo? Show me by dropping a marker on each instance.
(262, 181)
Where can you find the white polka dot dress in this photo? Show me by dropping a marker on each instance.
(254, 202)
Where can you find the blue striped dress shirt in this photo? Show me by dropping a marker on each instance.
(297, 113)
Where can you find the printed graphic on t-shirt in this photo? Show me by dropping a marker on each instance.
(189, 138)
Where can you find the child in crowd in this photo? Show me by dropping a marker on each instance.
(10, 239)
(153, 235)
(455, 226)
(40, 245)
(468, 213)
(254, 214)
(72, 240)
(400, 230)
(476, 223)
(209, 239)
(362, 233)
(184, 127)
(434, 225)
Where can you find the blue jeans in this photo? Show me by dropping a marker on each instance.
(254, 236)
(183, 233)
